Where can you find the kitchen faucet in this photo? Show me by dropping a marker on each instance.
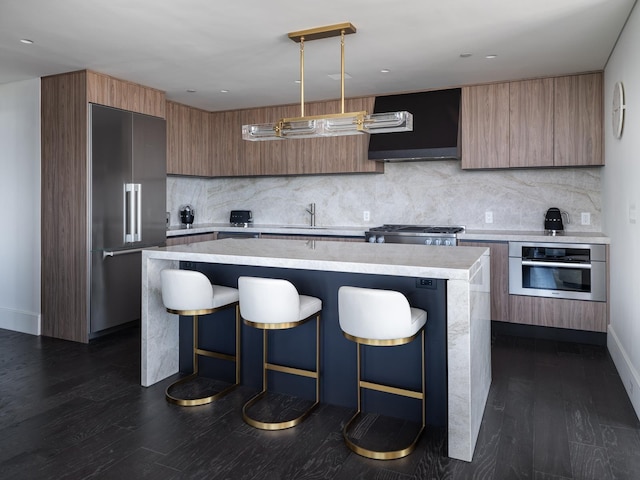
(312, 211)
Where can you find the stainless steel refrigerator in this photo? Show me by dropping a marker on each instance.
(128, 205)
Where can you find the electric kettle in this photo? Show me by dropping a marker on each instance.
(187, 213)
(553, 224)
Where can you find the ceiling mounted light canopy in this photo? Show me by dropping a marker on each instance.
(330, 125)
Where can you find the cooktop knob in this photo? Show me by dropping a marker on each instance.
(427, 241)
(437, 241)
(380, 239)
(372, 239)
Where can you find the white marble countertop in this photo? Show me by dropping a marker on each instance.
(380, 259)
(358, 231)
(534, 236)
(336, 231)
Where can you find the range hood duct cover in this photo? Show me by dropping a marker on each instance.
(436, 127)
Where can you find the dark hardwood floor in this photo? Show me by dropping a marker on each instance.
(71, 411)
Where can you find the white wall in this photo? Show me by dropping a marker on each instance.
(621, 191)
(20, 206)
(433, 192)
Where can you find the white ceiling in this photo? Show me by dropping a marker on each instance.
(242, 46)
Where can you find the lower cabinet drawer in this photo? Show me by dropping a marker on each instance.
(560, 313)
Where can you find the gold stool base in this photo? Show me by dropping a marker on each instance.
(378, 454)
(194, 402)
(272, 425)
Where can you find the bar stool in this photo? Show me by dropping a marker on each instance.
(187, 292)
(274, 304)
(380, 318)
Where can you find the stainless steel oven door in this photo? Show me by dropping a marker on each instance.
(547, 277)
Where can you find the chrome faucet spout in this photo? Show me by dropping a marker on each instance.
(312, 211)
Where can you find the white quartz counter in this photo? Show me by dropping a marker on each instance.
(372, 258)
(533, 236)
(468, 328)
(335, 231)
(338, 231)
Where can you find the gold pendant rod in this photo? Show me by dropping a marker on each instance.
(302, 76)
(342, 71)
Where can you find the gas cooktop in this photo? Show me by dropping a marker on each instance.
(415, 234)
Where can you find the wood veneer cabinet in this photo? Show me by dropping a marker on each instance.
(188, 146)
(485, 126)
(225, 154)
(560, 313)
(499, 266)
(531, 123)
(548, 122)
(187, 239)
(578, 116)
(65, 231)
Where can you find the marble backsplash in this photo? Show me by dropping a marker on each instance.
(436, 192)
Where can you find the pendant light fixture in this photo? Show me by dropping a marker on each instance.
(330, 125)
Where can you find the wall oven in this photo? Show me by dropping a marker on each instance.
(558, 270)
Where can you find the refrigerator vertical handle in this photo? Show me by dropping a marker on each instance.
(137, 237)
(129, 212)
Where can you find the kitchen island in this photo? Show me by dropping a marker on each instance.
(464, 271)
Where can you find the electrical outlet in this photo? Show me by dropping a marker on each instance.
(488, 217)
(585, 218)
(365, 216)
(632, 213)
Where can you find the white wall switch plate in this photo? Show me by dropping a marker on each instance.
(585, 218)
(365, 216)
(632, 213)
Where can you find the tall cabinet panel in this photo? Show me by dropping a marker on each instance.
(531, 121)
(66, 232)
(578, 120)
(485, 126)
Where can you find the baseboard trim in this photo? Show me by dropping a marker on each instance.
(24, 322)
(628, 373)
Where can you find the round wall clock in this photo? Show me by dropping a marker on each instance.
(618, 109)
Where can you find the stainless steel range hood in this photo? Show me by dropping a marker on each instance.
(436, 127)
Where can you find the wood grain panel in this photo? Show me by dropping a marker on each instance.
(65, 312)
(499, 277)
(578, 120)
(187, 239)
(113, 92)
(485, 126)
(225, 136)
(188, 140)
(531, 123)
(312, 237)
(555, 312)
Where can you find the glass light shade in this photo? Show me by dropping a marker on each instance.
(354, 123)
(299, 128)
(389, 122)
(260, 131)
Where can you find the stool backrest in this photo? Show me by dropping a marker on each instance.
(268, 300)
(373, 313)
(186, 290)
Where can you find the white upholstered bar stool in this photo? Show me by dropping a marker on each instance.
(274, 304)
(187, 292)
(380, 318)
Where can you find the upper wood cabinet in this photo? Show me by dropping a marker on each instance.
(485, 126)
(225, 154)
(578, 113)
(549, 122)
(187, 140)
(531, 123)
(113, 92)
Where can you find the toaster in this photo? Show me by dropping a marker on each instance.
(241, 217)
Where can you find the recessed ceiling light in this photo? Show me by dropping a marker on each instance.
(385, 70)
(224, 91)
(492, 55)
(191, 90)
(26, 40)
(465, 55)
